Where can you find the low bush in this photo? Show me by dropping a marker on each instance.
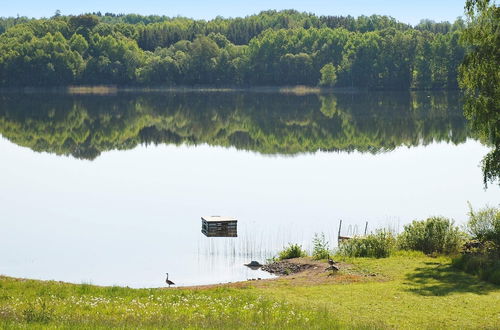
(381, 244)
(434, 235)
(485, 267)
(321, 248)
(292, 251)
(481, 255)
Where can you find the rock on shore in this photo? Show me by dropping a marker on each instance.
(285, 267)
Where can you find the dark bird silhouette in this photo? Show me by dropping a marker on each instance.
(169, 282)
(333, 266)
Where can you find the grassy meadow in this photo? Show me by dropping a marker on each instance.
(407, 290)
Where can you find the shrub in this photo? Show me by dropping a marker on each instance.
(434, 235)
(484, 225)
(292, 251)
(321, 249)
(481, 256)
(378, 245)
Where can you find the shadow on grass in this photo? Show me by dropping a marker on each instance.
(436, 279)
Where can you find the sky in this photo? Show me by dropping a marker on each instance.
(405, 11)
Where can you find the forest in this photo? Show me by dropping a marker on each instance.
(272, 48)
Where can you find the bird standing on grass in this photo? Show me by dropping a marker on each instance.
(333, 266)
(169, 282)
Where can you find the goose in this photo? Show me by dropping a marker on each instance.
(332, 265)
(169, 282)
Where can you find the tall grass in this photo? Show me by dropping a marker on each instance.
(381, 244)
(41, 305)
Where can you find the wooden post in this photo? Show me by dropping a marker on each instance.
(338, 236)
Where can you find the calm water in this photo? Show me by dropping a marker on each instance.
(109, 189)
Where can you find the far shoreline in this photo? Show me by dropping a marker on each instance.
(110, 89)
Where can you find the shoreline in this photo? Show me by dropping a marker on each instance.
(105, 89)
(310, 272)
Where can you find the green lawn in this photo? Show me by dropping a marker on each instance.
(418, 292)
(410, 291)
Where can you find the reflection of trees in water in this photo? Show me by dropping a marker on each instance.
(86, 125)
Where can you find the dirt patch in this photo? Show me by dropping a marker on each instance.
(307, 272)
(303, 272)
(286, 267)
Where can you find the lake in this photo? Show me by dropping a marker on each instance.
(108, 187)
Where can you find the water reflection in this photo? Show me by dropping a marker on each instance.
(85, 126)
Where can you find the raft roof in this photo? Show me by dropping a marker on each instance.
(218, 218)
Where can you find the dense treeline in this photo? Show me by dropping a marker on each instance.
(84, 126)
(271, 48)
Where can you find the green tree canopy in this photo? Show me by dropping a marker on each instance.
(328, 75)
(480, 78)
(272, 48)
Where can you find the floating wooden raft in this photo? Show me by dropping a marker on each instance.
(218, 226)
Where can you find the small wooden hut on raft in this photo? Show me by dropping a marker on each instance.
(219, 226)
